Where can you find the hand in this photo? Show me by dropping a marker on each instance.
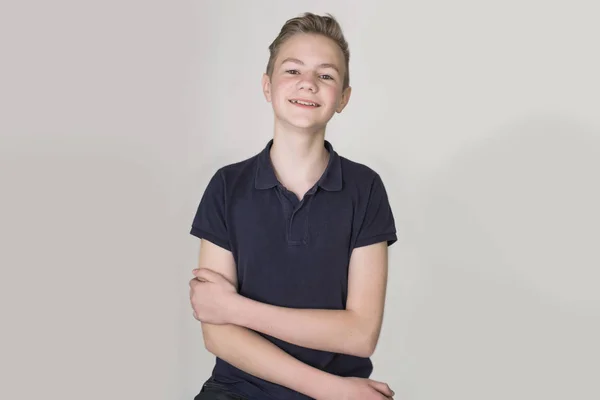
(211, 296)
(352, 388)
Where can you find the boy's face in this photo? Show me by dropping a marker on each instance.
(309, 69)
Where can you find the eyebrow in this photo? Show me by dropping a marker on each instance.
(300, 62)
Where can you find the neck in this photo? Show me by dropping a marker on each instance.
(299, 158)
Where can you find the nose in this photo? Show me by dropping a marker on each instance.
(309, 83)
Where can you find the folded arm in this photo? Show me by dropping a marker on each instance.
(353, 331)
(253, 354)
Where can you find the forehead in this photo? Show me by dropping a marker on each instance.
(312, 50)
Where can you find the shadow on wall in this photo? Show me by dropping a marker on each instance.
(509, 231)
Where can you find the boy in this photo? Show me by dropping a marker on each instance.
(292, 273)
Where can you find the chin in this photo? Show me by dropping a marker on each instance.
(302, 123)
(307, 125)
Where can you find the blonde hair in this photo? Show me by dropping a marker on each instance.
(310, 23)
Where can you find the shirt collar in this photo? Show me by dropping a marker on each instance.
(265, 178)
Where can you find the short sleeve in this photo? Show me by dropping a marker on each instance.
(378, 224)
(210, 221)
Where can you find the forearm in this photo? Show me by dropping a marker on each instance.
(338, 331)
(255, 355)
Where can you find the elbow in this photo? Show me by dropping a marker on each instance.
(367, 348)
(365, 345)
(210, 346)
(210, 338)
(366, 336)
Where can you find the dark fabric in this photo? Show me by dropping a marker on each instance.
(212, 390)
(294, 252)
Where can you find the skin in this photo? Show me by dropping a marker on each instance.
(308, 67)
(298, 155)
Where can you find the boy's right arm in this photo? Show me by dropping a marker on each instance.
(254, 354)
(257, 356)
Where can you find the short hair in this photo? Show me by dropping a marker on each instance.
(309, 23)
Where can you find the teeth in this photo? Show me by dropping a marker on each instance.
(303, 103)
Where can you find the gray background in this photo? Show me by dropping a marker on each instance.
(482, 118)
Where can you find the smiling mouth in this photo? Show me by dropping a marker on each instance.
(304, 103)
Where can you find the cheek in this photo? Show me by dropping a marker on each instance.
(279, 96)
(280, 90)
(332, 95)
(279, 100)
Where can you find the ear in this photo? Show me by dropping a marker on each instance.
(344, 100)
(266, 86)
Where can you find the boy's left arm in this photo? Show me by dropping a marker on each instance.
(354, 331)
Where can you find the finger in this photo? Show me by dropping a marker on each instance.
(382, 388)
(207, 275)
(198, 278)
(195, 282)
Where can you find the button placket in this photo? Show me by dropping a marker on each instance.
(300, 216)
(293, 209)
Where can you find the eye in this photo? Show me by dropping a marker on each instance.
(327, 77)
(292, 71)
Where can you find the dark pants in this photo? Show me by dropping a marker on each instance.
(213, 390)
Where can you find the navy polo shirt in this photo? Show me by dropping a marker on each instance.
(293, 252)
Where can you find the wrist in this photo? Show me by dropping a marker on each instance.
(323, 386)
(236, 310)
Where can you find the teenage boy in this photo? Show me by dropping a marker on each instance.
(293, 263)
